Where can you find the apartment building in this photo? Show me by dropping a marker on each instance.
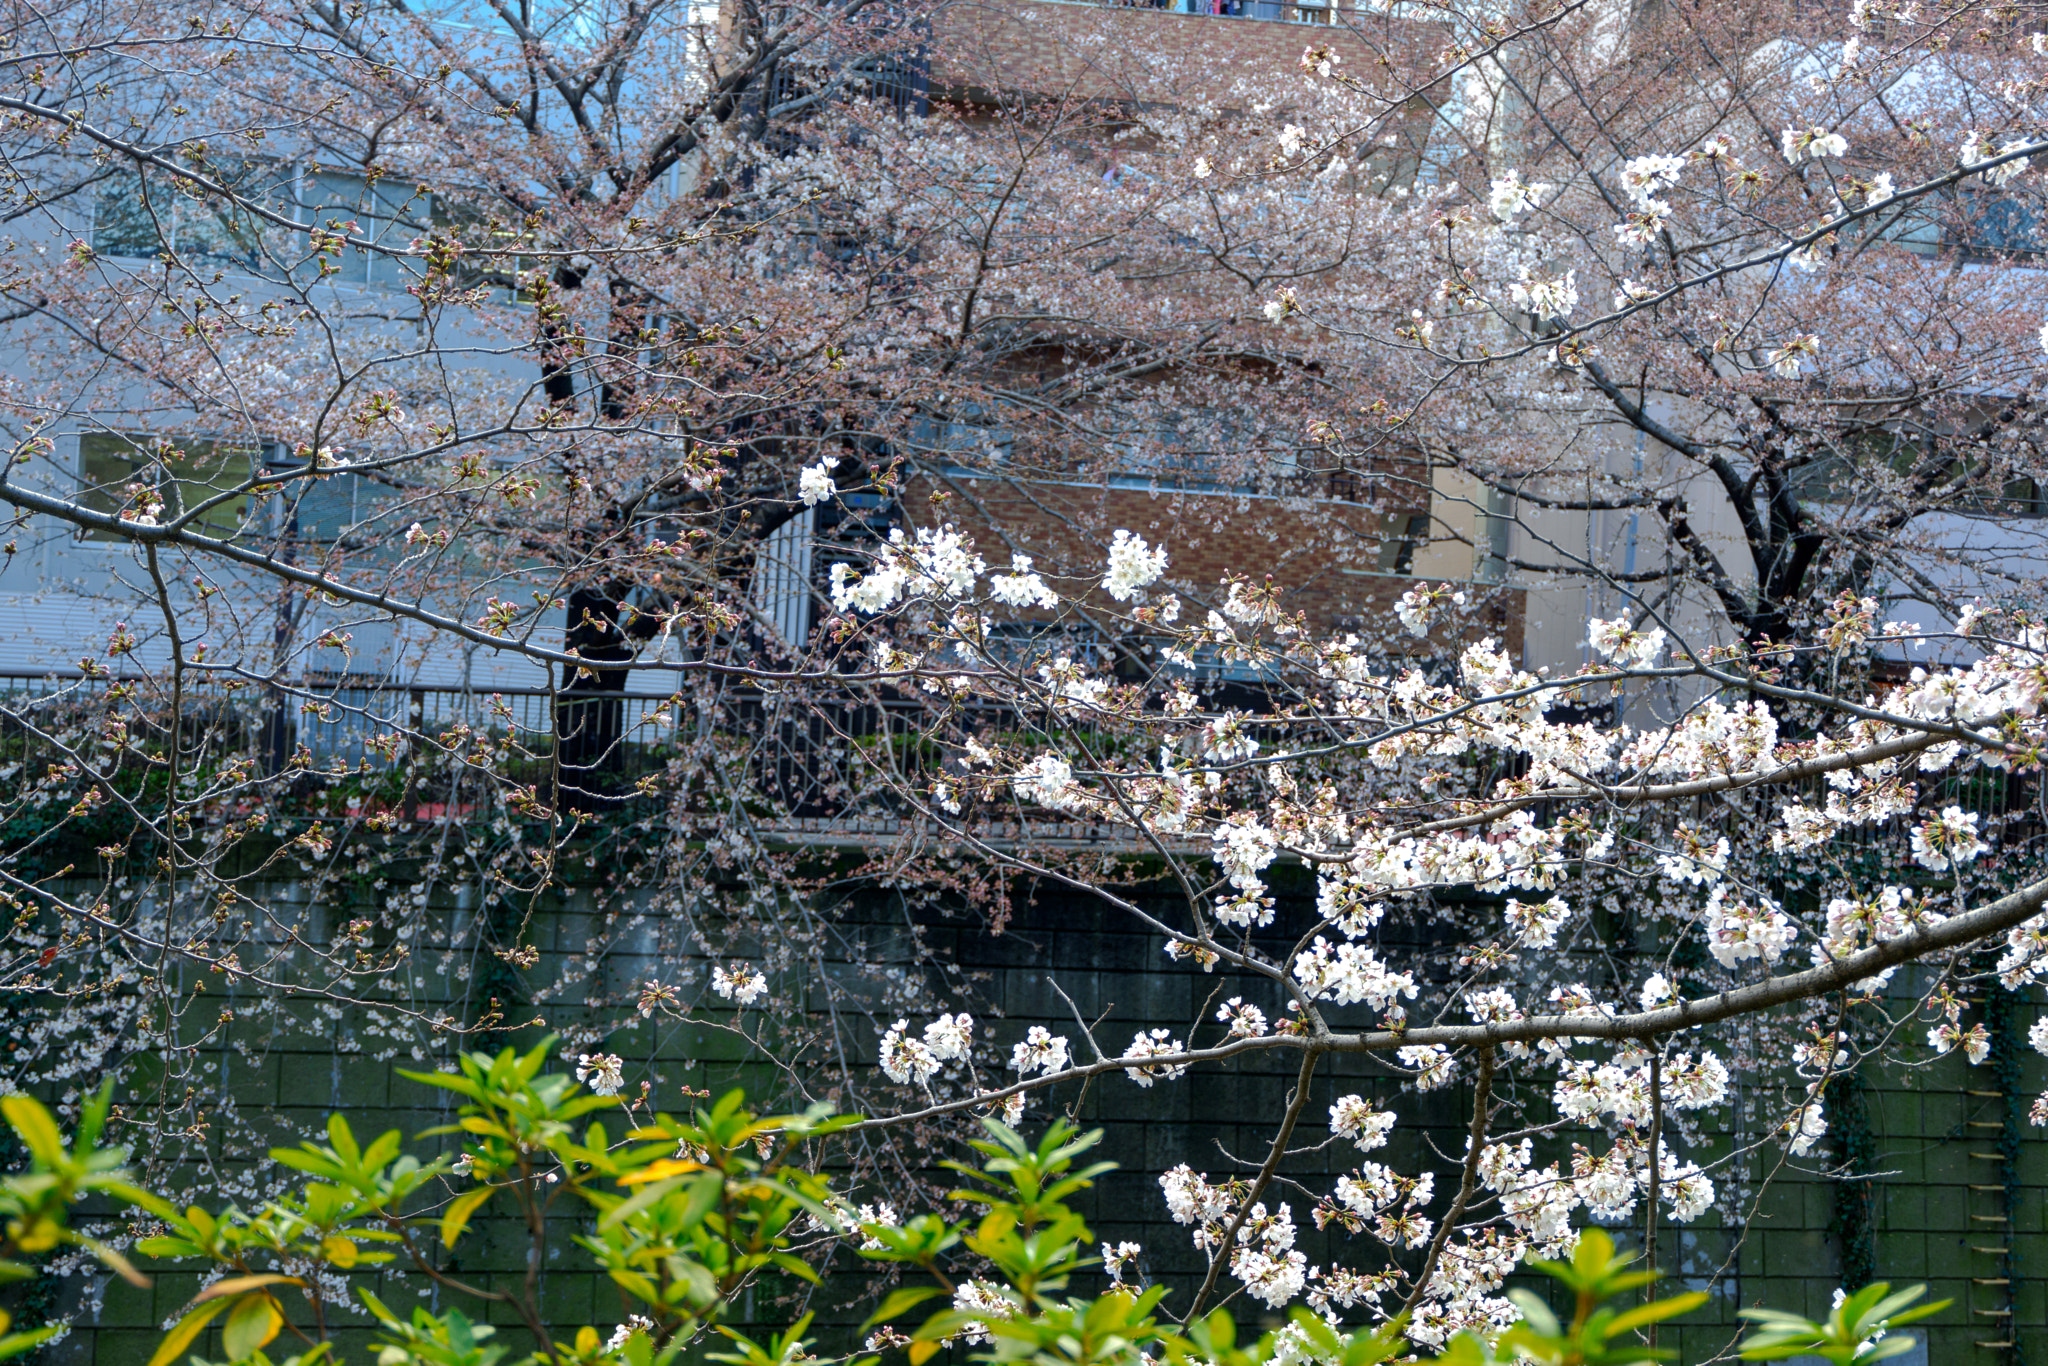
(1340, 538)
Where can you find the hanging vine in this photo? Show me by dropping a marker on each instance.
(1853, 1221)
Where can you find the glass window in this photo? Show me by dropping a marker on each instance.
(1996, 223)
(328, 509)
(125, 222)
(962, 446)
(144, 218)
(389, 213)
(121, 474)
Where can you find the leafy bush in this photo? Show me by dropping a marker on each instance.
(683, 1215)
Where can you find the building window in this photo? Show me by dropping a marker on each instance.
(1871, 467)
(124, 475)
(147, 218)
(1995, 223)
(387, 212)
(331, 508)
(974, 442)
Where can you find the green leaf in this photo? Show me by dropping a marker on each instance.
(15, 1344)
(251, 1324)
(1883, 1306)
(142, 1199)
(167, 1247)
(1536, 1313)
(92, 1119)
(39, 1132)
(236, 1285)
(795, 1266)
(903, 1298)
(447, 1081)
(1916, 1314)
(1657, 1311)
(117, 1264)
(186, 1331)
(459, 1210)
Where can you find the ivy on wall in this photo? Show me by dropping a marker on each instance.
(1853, 1221)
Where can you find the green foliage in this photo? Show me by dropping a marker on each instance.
(35, 1204)
(1599, 1334)
(1851, 1332)
(1034, 1244)
(684, 1215)
(681, 1214)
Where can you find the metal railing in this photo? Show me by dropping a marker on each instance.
(816, 763)
(816, 759)
(1287, 11)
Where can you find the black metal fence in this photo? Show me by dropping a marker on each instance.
(808, 759)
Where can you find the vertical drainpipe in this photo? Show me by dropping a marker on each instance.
(1492, 566)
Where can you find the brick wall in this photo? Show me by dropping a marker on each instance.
(1323, 553)
(1134, 52)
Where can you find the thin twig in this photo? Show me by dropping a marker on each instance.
(1482, 1093)
(1221, 1254)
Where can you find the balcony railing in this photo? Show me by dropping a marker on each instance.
(1287, 11)
(818, 769)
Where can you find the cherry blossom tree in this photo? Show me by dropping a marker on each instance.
(370, 333)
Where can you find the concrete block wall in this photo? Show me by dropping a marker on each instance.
(285, 1074)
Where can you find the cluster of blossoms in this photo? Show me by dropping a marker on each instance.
(1244, 850)
(1132, 565)
(1152, 1044)
(946, 1039)
(1243, 1020)
(1812, 144)
(1048, 781)
(1948, 840)
(603, 1073)
(1419, 608)
(987, 1300)
(1536, 923)
(1551, 300)
(1039, 1050)
(1118, 1261)
(1353, 1117)
(1347, 974)
(1695, 856)
(1620, 1090)
(935, 564)
(1977, 148)
(1856, 923)
(865, 1222)
(1375, 1199)
(1645, 177)
(1509, 196)
(1273, 1270)
(1741, 927)
(741, 984)
(1021, 587)
(815, 484)
(1230, 785)
(1624, 644)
